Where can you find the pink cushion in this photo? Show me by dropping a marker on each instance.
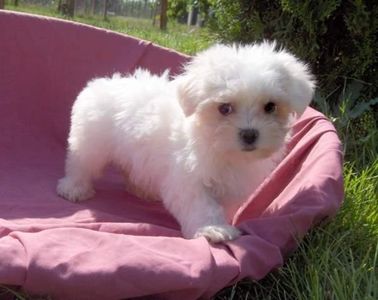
(115, 245)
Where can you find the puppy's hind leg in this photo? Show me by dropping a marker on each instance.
(81, 168)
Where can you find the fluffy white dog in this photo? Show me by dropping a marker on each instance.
(201, 143)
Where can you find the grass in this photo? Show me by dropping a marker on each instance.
(184, 39)
(335, 261)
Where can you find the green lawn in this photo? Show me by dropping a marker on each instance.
(335, 261)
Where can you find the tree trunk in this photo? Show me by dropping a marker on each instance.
(2, 4)
(154, 13)
(86, 7)
(70, 8)
(15, 2)
(93, 7)
(67, 7)
(106, 5)
(59, 6)
(163, 14)
(190, 16)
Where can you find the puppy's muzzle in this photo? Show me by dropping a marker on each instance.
(248, 138)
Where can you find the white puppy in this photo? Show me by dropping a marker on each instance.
(201, 143)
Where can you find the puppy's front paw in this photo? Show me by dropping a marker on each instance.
(218, 233)
(74, 191)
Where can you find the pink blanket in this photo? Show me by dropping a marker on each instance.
(115, 245)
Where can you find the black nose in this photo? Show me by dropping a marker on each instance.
(248, 136)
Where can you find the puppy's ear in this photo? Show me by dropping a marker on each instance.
(301, 84)
(188, 93)
(200, 77)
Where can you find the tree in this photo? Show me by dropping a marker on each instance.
(71, 8)
(163, 14)
(67, 7)
(338, 38)
(106, 6)
(60, 9)
(2, 4)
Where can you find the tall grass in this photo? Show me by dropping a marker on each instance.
(338, 260)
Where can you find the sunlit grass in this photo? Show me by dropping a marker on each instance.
(188, 40)
(335, 261)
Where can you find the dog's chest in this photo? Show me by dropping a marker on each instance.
(236, 185)
(230, 186)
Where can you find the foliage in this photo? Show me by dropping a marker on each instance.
(338, 38)
(178, 9)
(355, 121)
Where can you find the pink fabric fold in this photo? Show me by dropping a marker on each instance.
(115, 245)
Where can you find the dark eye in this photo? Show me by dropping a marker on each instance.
(225, 109)
(270, 107)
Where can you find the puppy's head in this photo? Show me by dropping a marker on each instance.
(244, 98)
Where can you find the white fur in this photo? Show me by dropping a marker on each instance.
(173, 143)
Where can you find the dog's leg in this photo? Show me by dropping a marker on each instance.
(200, 216)
(81, 169)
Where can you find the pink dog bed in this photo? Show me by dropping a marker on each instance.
(116, 245)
